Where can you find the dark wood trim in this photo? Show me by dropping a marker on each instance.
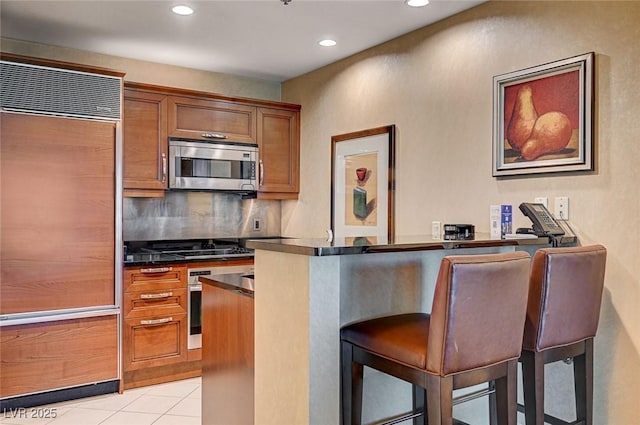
(212, 96)
(10, 57)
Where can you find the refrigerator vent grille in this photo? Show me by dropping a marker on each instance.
(40, 89)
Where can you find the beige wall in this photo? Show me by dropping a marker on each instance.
(436, 85)
(152, 73)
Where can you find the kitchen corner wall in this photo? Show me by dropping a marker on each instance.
(199, 215)
(436, 85)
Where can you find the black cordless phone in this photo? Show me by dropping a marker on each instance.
(543, 222)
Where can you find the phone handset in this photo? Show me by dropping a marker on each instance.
(543, 222)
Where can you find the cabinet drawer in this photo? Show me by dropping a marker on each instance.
(155, 278)
(157, 302)
(211, 120)
(155, 341)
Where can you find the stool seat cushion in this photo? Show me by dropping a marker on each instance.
(402, 338)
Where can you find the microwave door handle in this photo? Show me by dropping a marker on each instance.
(261, 174)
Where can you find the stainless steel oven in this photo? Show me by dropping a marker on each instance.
(194, 316)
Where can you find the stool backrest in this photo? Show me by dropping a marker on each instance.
(478, 312)
(565, 293)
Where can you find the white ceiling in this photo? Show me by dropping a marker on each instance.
(260, 39)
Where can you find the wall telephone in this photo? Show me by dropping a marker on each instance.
(543, 222)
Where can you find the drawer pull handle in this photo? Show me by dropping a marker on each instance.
(213, 136)
(156, 321)
(155, 296)
(156, 270)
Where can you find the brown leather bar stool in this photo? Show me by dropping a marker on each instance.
(473, 335)
(565, 293)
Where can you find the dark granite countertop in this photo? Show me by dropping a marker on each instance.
(241, 283)
(370, 244)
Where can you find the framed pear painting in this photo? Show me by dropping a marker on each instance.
(362, 185)
(543, 118)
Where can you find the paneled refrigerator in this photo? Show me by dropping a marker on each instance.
(61, 243)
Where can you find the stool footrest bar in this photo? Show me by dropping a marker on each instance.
(548, 419)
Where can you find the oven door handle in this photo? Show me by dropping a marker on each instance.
(193, 288)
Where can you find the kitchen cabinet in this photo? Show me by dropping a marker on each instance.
(279, 151)
(59, 354)
(228, 355)
(145, 143)
(207, 119)
(152, 114)
(155, 325)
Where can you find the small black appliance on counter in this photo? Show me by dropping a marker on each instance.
(459, 232)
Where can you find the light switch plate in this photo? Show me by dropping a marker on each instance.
(561, 208)
(435, 230)
(542, 200)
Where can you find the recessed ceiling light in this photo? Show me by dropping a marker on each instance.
(417, 3)
(327, 43)
(182, 10)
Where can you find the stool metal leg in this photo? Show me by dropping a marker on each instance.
(419, 401)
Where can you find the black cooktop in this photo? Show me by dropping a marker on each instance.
(192, 249)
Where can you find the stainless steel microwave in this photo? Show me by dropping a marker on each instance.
(203, 165)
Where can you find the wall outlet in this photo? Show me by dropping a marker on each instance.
(435, 230)
(561, 205)
(542, 200)
(257, 225)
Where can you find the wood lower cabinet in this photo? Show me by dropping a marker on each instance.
(60, 354)
(155, 326)
(279, 144)
(145, 158)
(211, 119)
(228, 360)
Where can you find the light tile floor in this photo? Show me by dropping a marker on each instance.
(173, 403)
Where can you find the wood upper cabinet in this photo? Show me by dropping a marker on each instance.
(199, 118)
(279, 145)
(145, 141)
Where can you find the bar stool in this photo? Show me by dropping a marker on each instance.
(473, 335)
(565, 293)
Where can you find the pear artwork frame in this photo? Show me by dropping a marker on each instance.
(543, 118)
(363, 185)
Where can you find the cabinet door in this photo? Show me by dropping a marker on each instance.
(165, 302)
(279, 143)
(57, 248)
(145, 140)
(228, 357)
(65, 353)
(156, 340)
(211, 120)
(154, 278)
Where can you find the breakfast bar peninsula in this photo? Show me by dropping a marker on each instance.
(306, 289)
